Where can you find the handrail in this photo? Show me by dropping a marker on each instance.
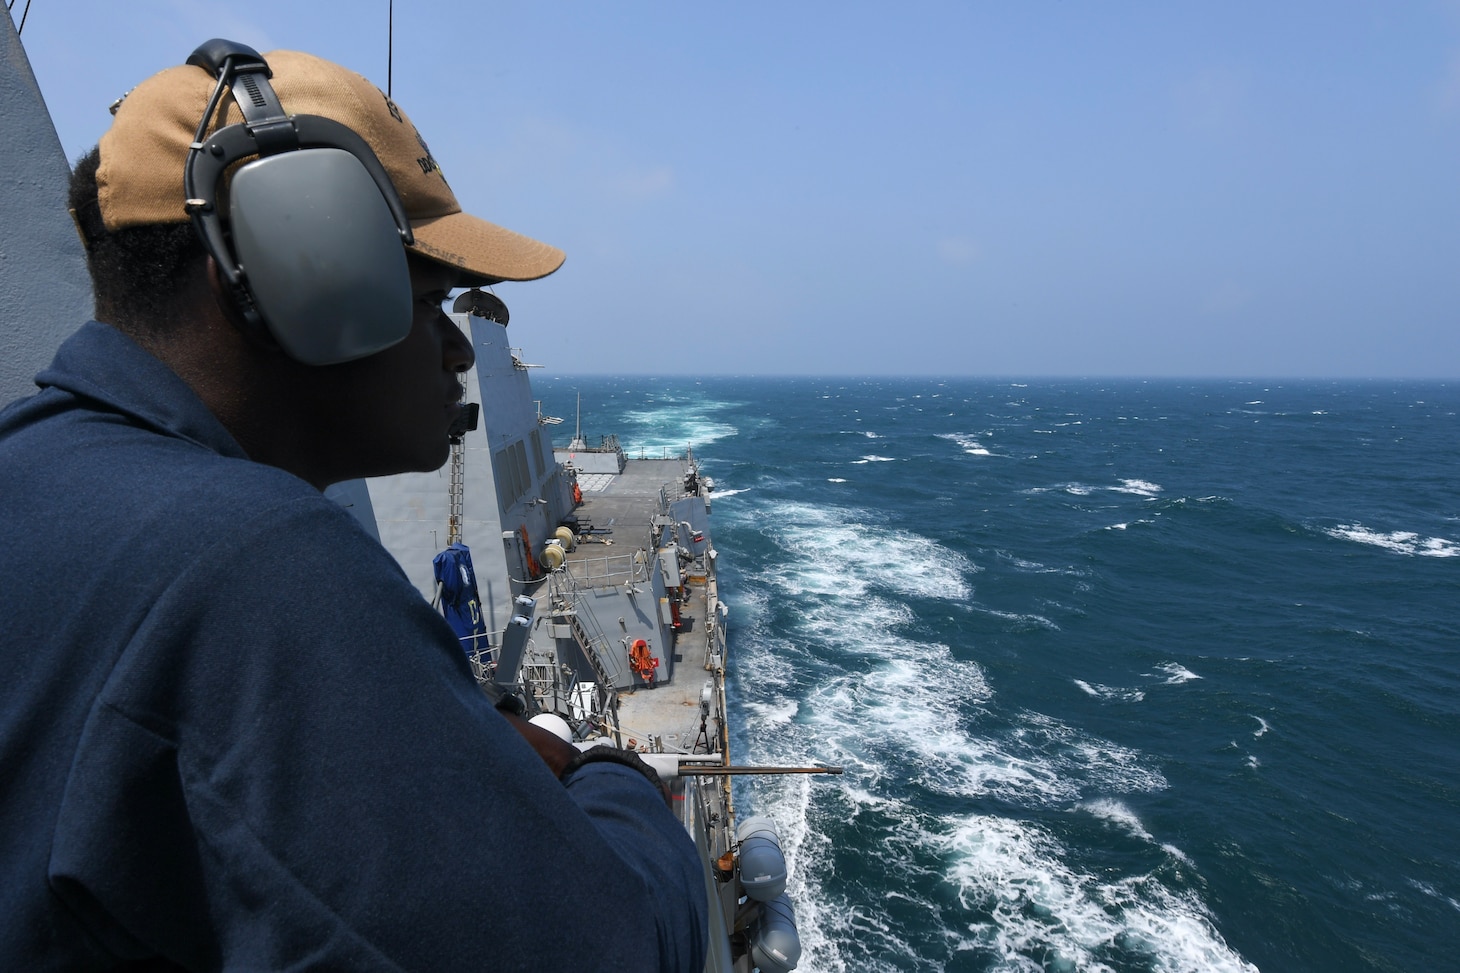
(612, 569)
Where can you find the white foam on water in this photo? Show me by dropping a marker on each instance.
(902, 716)
(779, 711)
(773, 668)
(870, 638)
(1176, 673)
(1033, 567)
(1127, 525)
(904, 727)
(802, 843)
(873, 459)
(969, 443)
(1020, 620)
(1087, 761)
(1118, 814)
(890, 725)
(1111, 692)
(841, 551)
(1140, 488)
(1047, 915)
(718, 494)
(675, 426)
(1176, 853)
(1262, 726)
(1397, 542)
(1435, 893)
(1078, 489)
(836, 479)
(903, 710)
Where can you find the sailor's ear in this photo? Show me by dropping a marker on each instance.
(227, 300)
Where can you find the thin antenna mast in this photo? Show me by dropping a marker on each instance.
(578, 442)
(389, 45)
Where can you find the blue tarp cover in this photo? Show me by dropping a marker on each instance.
(460, 602)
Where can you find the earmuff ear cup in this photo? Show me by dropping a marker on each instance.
(322, 255)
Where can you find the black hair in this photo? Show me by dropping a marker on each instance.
(138, 274)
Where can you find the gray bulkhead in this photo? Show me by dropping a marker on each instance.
(45, 292)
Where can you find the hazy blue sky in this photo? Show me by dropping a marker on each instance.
(1030, 188)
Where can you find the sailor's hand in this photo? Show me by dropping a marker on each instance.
(553, 751)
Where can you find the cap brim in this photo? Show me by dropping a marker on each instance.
(484, 252)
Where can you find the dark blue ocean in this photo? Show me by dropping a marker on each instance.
(1125, 675)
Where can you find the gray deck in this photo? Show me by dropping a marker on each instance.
(619, 509)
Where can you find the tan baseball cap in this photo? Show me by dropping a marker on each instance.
(140, 178)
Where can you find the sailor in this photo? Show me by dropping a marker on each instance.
(232, 735)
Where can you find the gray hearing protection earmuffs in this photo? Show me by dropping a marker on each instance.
(312, 243)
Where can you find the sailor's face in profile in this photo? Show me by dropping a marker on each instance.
(399, 403)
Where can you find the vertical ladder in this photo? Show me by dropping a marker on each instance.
(457, 486)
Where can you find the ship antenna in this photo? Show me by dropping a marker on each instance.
(389, 45)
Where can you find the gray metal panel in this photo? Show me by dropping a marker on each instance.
(45, 293)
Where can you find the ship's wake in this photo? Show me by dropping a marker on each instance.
(951, 840)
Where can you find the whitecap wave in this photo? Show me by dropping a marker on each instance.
(1175, 673)
(1126, 525)
(873, 459)
(779, 710)
(1118, 814)
(1020, 621)
(839, 551)
(1140, 488)
(1035, 567)
(1430, 890)
(1397, 542)
(1048, 915)
(676, 425)
(900, 714)
(969, 444)
(1111, 692)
